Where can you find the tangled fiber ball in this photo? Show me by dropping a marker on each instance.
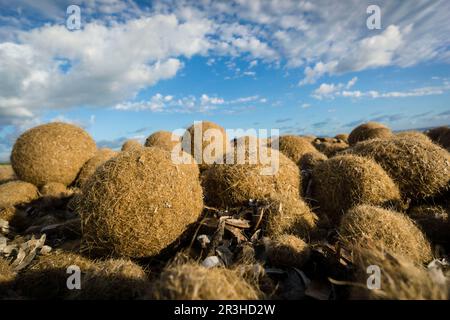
(88, 169)
(311, 159)
(162, 139)
(294, 147)
(17, 218)
(55, 190)
(53, 152)
(7, 174)
(400, 278)
(138, 203)
(17, 192)
(414, 135)
(343, 137)
(444, 140)
(113, 279)
(421, 169)
(386, 229)
(434, 221)
(7, 273)
(47, 277)
(368, 131)
(435, 133)
(330, 147)
(228, 185)
(346, 181)
(199, 132)
(287, 251)
(191, 281)
(131, 144)
(288, 215)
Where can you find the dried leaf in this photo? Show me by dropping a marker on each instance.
(238, 223)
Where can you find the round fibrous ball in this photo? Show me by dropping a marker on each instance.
(163, 139)
(17, 218)
(288, 215)
(389, 230)
(191, 281)
(205, 141)
(436, 133)
(131, 144)
(434, 221)
(368, 131)
(414, 135)
(401, 279)
(47, 277)
(342, 137)
(330, 147)
(310, 138)
(346, 181)
(227, 185)
(310, 160)
(444, 140)
(88, 169)
(287, 251)
(294, 147)
(7, 273)
(55, 190)
(138, 203)
(17, 192)
(113, 279)
(421, 169)
(250, 142)
(53, 152)
(7, 173)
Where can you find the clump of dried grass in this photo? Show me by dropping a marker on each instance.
(368, 131)
(113, 279)
(310, 160)
(55, 190)
(131, 144)
(401, 279)
(189, 144)
(287, 251)
(162, 139)
(88, 169)
(7, 273)
(343, 137)
(190, 281)
(47, 277)
(421, 169)
(434, 221)
(441, 136)
(53, 152)
(17, 192)
(386, 229)
(288, 215)
(414, 135)
(138, 203)
(294, 147)
(232, 185)
(7, 174)
(345, 181)
(330, 147)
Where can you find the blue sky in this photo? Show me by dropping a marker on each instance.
(298, 66)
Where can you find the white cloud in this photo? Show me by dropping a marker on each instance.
(114, 57)
(101, 65)
(331, 91)
(351, 83)
(253, 64)
(187, 104)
